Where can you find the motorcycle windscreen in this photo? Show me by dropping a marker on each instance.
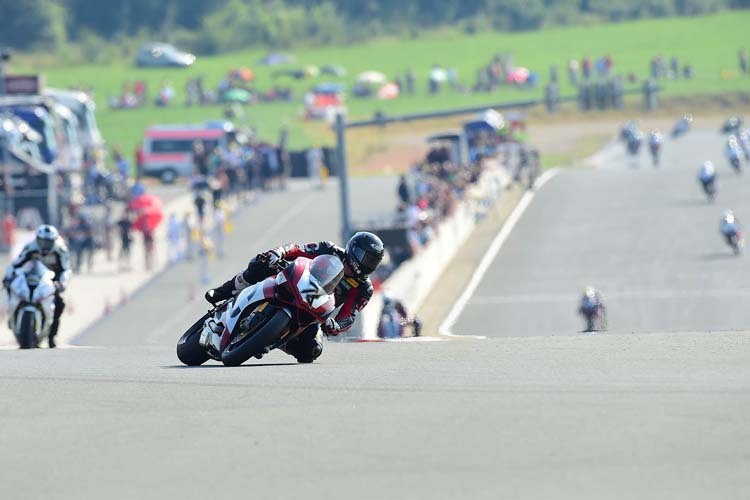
(327, 271)
(34, 270)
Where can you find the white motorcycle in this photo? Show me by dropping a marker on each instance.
(31, 303)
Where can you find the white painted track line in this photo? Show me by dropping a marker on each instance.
(489, 256)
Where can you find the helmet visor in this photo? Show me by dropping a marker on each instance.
(45, 245)
(366, 261)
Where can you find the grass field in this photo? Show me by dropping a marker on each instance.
(708, 43)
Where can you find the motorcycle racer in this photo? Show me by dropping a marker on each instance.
(591, 308)
(361, 257)
(50, 248)
(729, 226)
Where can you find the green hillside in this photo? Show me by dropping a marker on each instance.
(708, 43)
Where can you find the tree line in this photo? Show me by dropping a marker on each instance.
(211, 26)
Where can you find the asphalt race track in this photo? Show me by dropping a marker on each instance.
(647, 238)
(522, 414)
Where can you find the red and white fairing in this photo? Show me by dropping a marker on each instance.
(311, 283)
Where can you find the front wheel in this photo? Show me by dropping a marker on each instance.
(27, 331)
(244, 346)
(189, 351)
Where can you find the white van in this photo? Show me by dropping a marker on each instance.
(167, 150)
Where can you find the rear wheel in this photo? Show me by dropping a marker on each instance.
(27, 331)
(189, 351)
(247, 345)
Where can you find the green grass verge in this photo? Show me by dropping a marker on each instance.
(708, 43)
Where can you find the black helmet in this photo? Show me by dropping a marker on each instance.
(364, 251)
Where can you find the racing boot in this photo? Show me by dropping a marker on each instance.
(220, 293)
(307, 346)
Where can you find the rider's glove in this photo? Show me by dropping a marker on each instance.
(330, 327)
(272, 258)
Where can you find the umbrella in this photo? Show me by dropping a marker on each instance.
(149, 212)
(518, 75)
(328, 88)
(388, 91)
(438, 75)
(245, 74)
(236, 95)
(371, 77)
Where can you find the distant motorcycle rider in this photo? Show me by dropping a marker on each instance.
(394, 317)
(682, 125)
(592, 308)
(743, 140)
(707, 177)
(729, 227)
(635, 139)
(733, 152)
(361, 257)
(50, 248)
(654, 144)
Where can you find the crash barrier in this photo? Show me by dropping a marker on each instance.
(413, 280)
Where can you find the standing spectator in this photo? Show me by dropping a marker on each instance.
(148, 248)
(409, 81)
(200, 159)
(139, 159)
(174, 236)
(274, 166)
(125, 225)
(108, 227)
(452, 76)
(674, 67)
(608, 64)
(283, 150)
(586, 66)
(573, 69)
(601, 67)
(188, 230)
(82, 241)
(121, 164)
(742, 55)
(314, 165)
(200, 207)
(219, 229)
(403, 191)
(204, 250)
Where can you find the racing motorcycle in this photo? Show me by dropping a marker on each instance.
(655, 148)
(736, 241)
(709, 187)
(595, 315)
(266, 315)
(31, 303)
